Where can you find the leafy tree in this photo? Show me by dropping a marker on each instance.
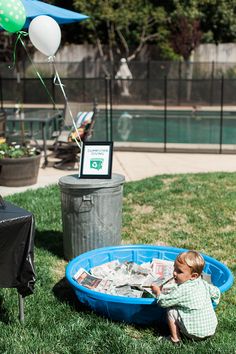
(218, 20)
(185, 27)
(185, 36)
(122, 28)
(126, 26)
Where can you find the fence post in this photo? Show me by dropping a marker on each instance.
(212, 82)
(109, 120)
(221, 112)
(148, 81)
(110, 104)
(83, 80)
(1, 93)
(165, 112)
(53, 92)
(23, 82)
(179, 82)
(106, 104)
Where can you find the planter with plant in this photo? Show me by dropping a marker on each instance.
(19, 164)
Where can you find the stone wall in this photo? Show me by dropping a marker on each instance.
(222, 53)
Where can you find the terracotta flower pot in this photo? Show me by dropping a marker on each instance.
(19, 172)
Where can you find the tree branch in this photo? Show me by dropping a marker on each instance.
(102, 55)
(110, 41)
(123, 41)
(143, 40)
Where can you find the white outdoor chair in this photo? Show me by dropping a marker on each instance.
(65, 147)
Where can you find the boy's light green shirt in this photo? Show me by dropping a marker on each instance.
(193, 300)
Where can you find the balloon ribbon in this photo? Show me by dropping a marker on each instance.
(56, 78)
(36, 71)
(51, 59)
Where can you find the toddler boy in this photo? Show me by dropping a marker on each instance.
(189, 303)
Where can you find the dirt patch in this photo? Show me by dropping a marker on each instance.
(226, 229)
(174, 221)
(143, 209)
(59, 269)
(160, 243)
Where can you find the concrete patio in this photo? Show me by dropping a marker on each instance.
(138, 165)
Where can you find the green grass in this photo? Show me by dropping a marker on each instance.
(190, 211)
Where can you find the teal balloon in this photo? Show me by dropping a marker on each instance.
(12, 15)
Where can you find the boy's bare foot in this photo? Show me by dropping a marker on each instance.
(173, 341)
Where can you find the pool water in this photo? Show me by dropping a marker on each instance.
(185, 127)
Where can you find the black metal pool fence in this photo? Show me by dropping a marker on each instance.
(152, 83)
(164, 108)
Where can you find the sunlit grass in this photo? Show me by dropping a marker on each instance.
(191, 211)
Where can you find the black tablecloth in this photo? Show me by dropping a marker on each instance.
(17, 249)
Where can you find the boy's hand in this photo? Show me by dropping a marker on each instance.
(156, 289)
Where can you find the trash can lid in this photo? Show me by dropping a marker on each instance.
(74, 182)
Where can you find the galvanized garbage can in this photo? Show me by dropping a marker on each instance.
(91, 213)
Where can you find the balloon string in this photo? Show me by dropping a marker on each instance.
(39, 76)
(20, 34)
(57, 78)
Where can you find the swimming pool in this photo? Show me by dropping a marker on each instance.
(175, 126)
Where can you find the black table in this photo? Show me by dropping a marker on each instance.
(42, 116)
(17, 251)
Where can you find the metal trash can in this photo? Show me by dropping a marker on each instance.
(91, 213)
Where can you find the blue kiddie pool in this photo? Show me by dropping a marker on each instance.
(143, 311)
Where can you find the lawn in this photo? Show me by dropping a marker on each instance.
(190, 211)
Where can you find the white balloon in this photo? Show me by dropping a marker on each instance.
(45, 34)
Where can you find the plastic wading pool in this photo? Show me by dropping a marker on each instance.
(142, 311)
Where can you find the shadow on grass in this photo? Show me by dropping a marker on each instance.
(4, 314)
(51, 241)
(64, 293)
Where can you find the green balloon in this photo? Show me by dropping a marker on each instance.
(12, 15)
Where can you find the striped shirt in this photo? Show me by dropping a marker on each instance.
(193, 300)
